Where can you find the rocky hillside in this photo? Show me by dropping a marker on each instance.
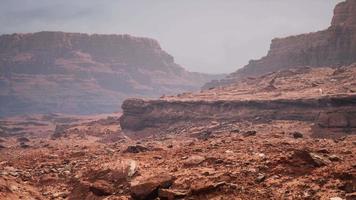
(82, 74)
(333, 47)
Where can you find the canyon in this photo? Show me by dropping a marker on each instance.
(282, 127)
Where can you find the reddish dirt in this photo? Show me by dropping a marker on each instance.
(203, 161)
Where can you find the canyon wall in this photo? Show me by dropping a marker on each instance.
(77, 73)
(333, 47)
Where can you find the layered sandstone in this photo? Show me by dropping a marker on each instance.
(80, 74)
(323, 98)
(333, 47)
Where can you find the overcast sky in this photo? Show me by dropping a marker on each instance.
(214, 36)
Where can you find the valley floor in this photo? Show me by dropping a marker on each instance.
(211, 160)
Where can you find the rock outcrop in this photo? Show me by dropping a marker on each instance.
(324, 98)
(161, 114)
(82, 74)
(333, 47)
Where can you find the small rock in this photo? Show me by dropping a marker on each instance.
(66, 172)
(235, 130)
(109, 150)
(172, 194)
(60, 195)
(297, 135)
(15, 174)
(136, 149)
(13, 188)
(24, 145)
(53, 170)
(249, 133)
(325, 151)
(260, 178)
(157, 157)
(261, 155)
(10, 169)
(229, 152)
(319, 160)
(194, 160)
(4, 173)
(132, 168)
(334, 158)
(170, 146)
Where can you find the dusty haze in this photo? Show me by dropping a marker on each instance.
(203, 35)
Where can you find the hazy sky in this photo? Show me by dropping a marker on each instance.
(215, 36)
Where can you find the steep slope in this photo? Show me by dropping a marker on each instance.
(81, 74)
(333, 47)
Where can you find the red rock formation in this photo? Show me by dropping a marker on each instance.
(333, 47)
(324, 98)
(80, 73)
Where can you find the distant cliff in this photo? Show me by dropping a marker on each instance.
(333, 47)
(81, 74)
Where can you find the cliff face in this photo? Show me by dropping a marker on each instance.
(333, 117)
(333, 47)
(81, 74)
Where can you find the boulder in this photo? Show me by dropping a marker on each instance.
(312, 159)
(147, 188)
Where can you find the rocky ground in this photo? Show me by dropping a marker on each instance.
(209, 160)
